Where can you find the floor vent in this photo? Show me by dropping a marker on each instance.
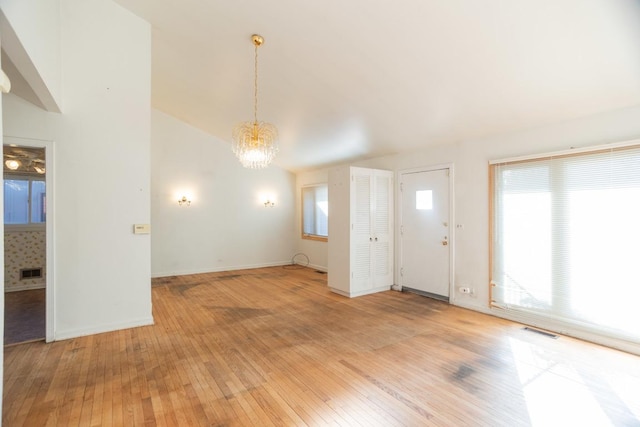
(31, 273)
(538, 331)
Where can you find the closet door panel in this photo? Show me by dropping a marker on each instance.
(383, 230)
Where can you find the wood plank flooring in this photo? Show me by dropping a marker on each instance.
(273, 346)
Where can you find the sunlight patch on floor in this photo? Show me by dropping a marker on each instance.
(555, 393)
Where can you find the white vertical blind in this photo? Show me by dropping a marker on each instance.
(566, 239)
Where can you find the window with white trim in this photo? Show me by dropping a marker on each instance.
(315, 212)
(565, 236)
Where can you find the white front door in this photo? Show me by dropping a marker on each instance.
(425, 232)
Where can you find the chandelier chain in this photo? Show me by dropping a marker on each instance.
(255, 87)
(255, 143)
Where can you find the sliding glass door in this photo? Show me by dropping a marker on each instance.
(566, 239)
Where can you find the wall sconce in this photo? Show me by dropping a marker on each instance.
(5, 83)
(184, 201)
(269, 204)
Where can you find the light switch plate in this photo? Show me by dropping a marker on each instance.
(141, 228)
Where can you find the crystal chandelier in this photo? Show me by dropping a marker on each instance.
(255, 143)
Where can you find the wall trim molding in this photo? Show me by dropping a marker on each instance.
(24, 288)
(221, 269)
(559, 328)
(99, 329)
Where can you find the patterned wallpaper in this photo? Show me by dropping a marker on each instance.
(23, 249)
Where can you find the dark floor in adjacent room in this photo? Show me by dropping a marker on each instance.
(24, 316)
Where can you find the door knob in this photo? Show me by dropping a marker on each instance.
(445, 243)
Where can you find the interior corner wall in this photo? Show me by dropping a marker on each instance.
(471, 183)
(101, 168)
(227, 226)
(315, 250)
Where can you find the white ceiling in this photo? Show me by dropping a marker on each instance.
(345, 80)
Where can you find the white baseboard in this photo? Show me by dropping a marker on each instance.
(99, 329)
(219, 269)
(317, 267)
(464, 304)
(24, 288)
(360, 293)
(557, 327)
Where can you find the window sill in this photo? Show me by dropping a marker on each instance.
(316, 238)
(9, 228)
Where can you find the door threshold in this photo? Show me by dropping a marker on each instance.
(426, 294)
(24, 342)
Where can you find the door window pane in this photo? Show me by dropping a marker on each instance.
(424, 200)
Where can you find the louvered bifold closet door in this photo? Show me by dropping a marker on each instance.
(382, 264)
(361, 232)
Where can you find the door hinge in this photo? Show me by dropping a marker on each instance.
(401, 189)
(402, 272)
(402, 230)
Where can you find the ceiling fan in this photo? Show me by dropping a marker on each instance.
(24, 160)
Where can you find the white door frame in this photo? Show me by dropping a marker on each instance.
(49, 229)
(452, 226)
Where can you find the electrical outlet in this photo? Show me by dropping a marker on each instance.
(464, 290)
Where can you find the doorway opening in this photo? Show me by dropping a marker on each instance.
(26, 240)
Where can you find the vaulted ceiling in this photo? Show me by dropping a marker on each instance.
(345, 80)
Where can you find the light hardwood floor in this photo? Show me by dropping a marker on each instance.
(274, 347)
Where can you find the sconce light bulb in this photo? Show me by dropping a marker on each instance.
(12, 164)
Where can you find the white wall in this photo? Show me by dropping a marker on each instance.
(315, 250)
(471, 184)
(227, 225)
(101, 167)
(36, 23)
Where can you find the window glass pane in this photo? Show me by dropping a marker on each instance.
(16, 201)
(526, 240)
(315, 211)
(308, 201)
(322, 211)
(424, 200)
(38, 212)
